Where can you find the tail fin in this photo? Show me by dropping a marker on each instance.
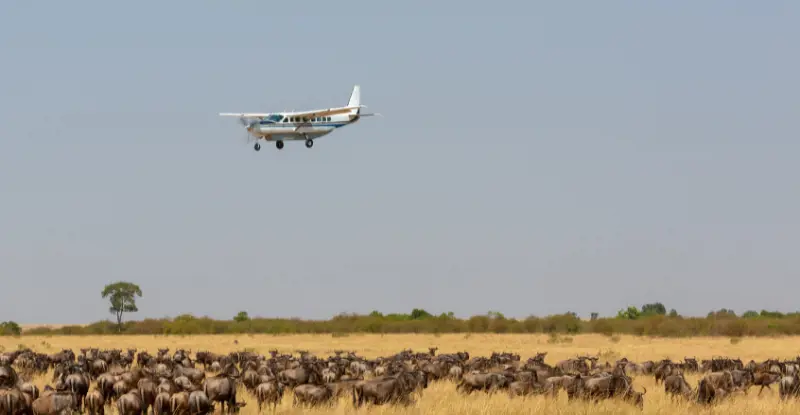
(355, 97)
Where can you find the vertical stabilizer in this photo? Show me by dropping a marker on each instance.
(355, 97)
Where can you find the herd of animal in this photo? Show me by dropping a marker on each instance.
(179, 384)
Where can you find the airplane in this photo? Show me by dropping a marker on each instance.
(300, 125)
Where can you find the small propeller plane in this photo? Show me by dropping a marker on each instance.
(300, 125)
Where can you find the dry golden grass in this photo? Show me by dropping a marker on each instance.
(442, 398)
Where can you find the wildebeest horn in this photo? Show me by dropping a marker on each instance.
(645, 390)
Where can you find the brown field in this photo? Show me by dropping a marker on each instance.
(442, 398)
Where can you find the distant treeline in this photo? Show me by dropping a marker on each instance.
(650, 320)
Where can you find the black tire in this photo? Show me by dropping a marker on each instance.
(309, 143)
(279, 144)
(257, 147)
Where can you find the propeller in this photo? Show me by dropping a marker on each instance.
(248, 124)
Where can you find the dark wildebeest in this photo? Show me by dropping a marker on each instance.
(742, 379)
(222, 388)
(94, 402)
(179, 403)
(530, 385)
(572, 366)
(664, 369)
(604, 387)
(147, 390)
(269, 392)
(721, 380)
(161, 404)
(676, 385)
(199, 404)
(308, 394)
(706, 393)
(8, 377)
(306, 373)
(481, 381)
(554, 383)
(764, 379)
(13, 402)
(130, 403)
(78, 383)
(396, 388)
(690, 364)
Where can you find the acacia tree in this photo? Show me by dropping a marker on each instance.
(122, 296)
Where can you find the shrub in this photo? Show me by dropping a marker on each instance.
(10, 328)
(718, 323)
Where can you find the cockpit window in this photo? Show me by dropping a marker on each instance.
(274, 118)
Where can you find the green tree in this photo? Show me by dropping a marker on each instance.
(654, 309)
(419, 314)
(631, 313)
(722, 313)
(750, 314)
(594, 316)
(447, 316)
(771, 314)
(242, 316)
(10, 328)
(122, 296)
(673, 313)
(495, 315)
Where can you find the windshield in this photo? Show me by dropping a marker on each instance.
(274, 118)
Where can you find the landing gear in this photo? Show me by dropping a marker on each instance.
(257, 147)
(309, 143)
(279, 144)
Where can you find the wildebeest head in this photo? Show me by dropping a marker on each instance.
(8, 376)
(231, 370)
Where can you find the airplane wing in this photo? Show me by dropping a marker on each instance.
(325, 112)
(309, 114)
(243, 114)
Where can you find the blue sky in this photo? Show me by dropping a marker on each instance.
(533, 157)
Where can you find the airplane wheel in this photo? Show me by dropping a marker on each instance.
(279, 144)
(257, 147)
(309, 143)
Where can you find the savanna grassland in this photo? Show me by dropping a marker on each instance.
(442, 398)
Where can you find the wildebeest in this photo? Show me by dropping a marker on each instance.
(130, 403)
(222, 388)
(765, 379)
(481, 381)
(790, 386)
(13, 402)
(396, 389)
(55, 403)
(94, 402)
(676, 385)
(199, 404)
(314, 395)
(270, 393)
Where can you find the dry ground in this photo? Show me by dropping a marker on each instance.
(443, 399)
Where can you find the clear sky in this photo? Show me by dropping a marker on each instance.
(533, 158)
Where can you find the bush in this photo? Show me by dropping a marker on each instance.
(10, 328)
(718, 323)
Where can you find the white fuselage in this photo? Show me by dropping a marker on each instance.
(285, 126)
